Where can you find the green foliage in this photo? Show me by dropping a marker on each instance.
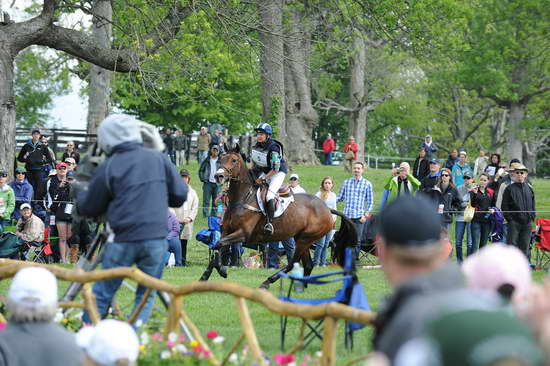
(193, 81)
(38, 79)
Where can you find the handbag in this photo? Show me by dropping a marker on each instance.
(469, 212)
(349, 155)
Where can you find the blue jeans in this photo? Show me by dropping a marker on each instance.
(174, 246)
(480, 234)
(328, 158)
(359, 227)
(273, 252)
(460, 228)
(209, 193)
(320, 255)
(201, 155)
(148, 255)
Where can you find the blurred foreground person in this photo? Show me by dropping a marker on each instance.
(109, 343)
(31, 337)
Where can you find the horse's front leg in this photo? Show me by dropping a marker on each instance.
(237, 236)
(215, 260)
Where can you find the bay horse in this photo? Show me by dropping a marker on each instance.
(307, 219)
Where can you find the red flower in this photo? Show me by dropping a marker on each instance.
(198, 349)
(211, 334)
(281, 359)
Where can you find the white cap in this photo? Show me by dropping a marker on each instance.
(33, 287)
(294, 175)
(25, 205)
(109, 341)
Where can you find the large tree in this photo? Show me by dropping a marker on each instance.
(148, 36)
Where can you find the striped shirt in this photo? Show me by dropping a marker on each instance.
(359, 197)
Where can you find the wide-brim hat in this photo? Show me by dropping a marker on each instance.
(517, 167)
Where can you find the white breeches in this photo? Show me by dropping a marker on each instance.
(275, 182)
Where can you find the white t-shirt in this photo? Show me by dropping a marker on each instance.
(330, 202)
(213, 168)
(297, 189)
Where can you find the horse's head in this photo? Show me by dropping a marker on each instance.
(231, 164)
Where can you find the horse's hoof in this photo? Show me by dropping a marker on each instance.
(265, 286)
(222, 271)
(205, 276)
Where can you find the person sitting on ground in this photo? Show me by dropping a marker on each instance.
(71, 152)
(174, 245)
(32, 307)
(22, 189)
(402, 184)
(294, 181)
(415, 263)
(109, 343)
(421, 167)
(30, 228)
(7, 200)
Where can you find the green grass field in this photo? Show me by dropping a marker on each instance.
(217, 311)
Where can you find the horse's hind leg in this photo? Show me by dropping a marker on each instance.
(274, 277)
(307, 263)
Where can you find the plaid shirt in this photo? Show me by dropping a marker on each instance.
(358, 195)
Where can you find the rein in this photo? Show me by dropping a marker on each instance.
(249, 182)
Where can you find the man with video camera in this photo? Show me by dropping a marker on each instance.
(134, 187)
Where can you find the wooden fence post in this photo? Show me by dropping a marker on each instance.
(248, 329)
(329, 342)
(174, 314)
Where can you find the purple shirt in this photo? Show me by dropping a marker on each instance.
(173, 226)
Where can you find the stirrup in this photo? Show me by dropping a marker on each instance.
(268, 228)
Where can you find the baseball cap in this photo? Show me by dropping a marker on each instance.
(434, 161)
(423, 231)
(497, 265)
(21, 170)
(462, 153)
(3, 173)
(70, 174)
(35, 131)
(184, 173)
(481, 337)
(33, 287)
(467, 173)
(70, 160)
(109, 341)
(24, 206)
(294, 176)
(59, 165)
(215, 147)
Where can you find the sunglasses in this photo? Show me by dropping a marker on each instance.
(62, 168)
(20, 173)
(69, 163)
(521, 172)
(467, 177)
(445, 175)
(3, 175)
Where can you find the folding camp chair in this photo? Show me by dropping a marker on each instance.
(369, 250)
(38, 252)
(351, 293)
(211, 235)
(542, 243)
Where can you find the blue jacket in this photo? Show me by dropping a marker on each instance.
(23, 193)
(134, 186)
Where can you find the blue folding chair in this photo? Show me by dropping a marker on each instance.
(351, 293)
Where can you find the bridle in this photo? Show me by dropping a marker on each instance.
(228, 172)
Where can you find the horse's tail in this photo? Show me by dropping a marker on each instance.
(344, 238)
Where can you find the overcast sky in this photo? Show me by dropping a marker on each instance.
(69, 110)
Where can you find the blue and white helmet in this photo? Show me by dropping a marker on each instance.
(265, 128)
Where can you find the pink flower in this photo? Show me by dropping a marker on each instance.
(2, 326)
(198, 349)
(157, 337)
(206, 354)
(307, 358)
(303, 364)
(282, 359)
(181, 339)
(211, 334)
(170, 344)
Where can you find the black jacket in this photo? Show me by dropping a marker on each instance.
(75, 155)
(519, 197)
(34, 155)
(429, 182)
(204, 169)
(482, 201)
(134, 186)
(451, 162)
(421, 168)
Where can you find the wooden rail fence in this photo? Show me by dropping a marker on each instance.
(331, 312)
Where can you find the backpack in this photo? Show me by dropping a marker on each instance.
(497, 225)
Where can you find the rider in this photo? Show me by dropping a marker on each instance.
(267, 156)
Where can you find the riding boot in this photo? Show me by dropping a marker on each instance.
(270, 212)
(222, 270)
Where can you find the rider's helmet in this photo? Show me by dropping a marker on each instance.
(265, 128)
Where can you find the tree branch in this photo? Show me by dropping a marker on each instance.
(539, 91)
(82, 45)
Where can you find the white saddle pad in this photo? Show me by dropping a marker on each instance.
(281, 207)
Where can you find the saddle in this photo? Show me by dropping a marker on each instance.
(284, 191)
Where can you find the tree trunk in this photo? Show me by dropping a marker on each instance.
(301, 117)
(357, 122)
(272, 64)
(514, 144)
(7, 107)
(498, 130)
(100, 78)
(530, 152)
